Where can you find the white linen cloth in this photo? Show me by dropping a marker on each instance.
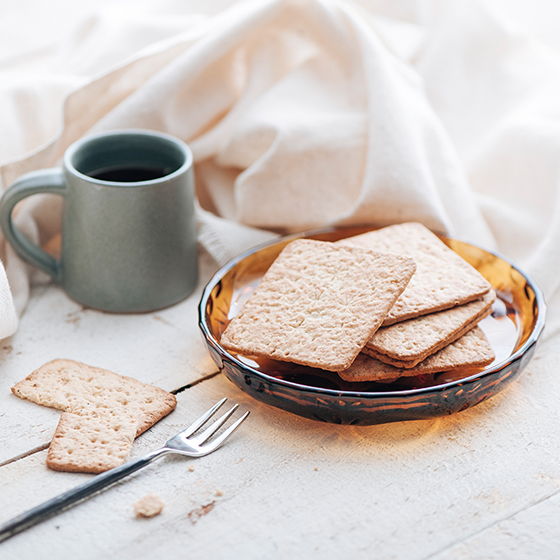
(301, 113)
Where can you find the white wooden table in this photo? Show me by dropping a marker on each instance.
(481, 484)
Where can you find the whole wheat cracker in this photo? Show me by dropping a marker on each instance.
(411, 365)
(90, 442)
(318, 304)
(76, 387)
(407, 343)
(470, 351)
(442, 279)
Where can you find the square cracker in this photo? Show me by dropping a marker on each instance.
(407, 343)
(442, 279)
(472, 350)
(318, 304)
(91, 443)
(76, 387)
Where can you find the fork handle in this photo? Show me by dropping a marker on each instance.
(74, 496)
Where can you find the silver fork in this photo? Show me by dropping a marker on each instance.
(182, 443)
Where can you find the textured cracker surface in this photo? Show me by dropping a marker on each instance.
(318, 304)
(148, 506)
(442, 279)
(91, 443)
(407, 343)
(80, 388)
(471, 350)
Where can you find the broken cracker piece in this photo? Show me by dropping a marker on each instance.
(148, 506)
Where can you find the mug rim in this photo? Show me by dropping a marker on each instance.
(82, 142)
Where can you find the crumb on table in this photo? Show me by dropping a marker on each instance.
(148, 506)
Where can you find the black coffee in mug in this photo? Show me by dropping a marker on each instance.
(129, 174)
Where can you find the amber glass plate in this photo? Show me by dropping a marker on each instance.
(513, 329)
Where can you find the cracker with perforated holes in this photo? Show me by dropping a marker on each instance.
(471, 351)
(318, 304)
(442, 279)
(406, 344)
(76, 387)
(91, 443)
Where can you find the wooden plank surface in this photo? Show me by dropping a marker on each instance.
(531, 532)
(472, 485)
(293, 487)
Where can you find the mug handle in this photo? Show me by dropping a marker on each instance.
(37, 182)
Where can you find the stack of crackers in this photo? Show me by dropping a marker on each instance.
(375, 307)
(103, 412)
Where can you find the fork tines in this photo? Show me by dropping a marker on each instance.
(201, 438)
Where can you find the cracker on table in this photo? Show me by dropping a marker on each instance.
(76, 387)
(407, 343)
(318, 304)
(90, 442)
(442, 279)
(470, 351)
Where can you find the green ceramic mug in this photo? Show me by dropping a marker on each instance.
(128, 224)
